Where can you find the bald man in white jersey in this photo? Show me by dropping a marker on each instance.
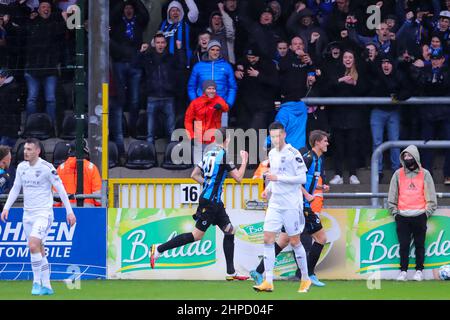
(37, 177)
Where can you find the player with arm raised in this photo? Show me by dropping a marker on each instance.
(37, 177)
(211, 172)
(287, 174)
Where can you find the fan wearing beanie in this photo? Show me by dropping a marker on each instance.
(205, 113)
(214, 67)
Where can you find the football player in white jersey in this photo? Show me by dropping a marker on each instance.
(37, 177)
(287, 174)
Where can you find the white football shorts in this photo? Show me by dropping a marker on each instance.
(289, 218)
(37, 226)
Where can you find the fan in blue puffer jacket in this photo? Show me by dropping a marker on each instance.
(213, 67)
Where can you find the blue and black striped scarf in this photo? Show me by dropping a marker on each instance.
(177, 31)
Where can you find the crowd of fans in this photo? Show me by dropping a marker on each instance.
(263, 58)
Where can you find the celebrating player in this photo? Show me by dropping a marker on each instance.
(36, 177)
(211, 172)
(286, 175)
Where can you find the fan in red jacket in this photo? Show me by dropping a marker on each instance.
(205, 113)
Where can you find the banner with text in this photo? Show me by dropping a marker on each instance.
(359, 242)
(131, 232)
(77, 252)
(372, 244)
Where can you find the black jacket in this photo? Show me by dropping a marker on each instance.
(44, 43)
(259, 92)
(160, 72)
(346, 116)
(10, 109)
(388, 85)
(264, 37)
(440, 88)
(122, 48)
(336, 22)
(329, 65)
(293, 74)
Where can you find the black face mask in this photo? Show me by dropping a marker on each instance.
(411, 164)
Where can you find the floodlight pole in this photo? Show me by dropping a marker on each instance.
(80, 89)
(98, 74)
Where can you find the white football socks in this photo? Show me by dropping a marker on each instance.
(45, 273)
(269, 261)
(300, 257)
(36, 262)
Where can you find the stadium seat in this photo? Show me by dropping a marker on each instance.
(141, 127)
(39, 126)
(69, 127)
(20, 155)
(113, 155)
(141, 155)
(168, 162)
(60, 153)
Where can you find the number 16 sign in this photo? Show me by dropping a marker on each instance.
(189, 193)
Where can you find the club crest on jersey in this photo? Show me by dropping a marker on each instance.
(38, 173)
(283, 159)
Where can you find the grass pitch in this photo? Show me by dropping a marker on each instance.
(223, 290)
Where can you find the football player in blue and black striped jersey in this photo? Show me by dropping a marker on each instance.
(211, 173)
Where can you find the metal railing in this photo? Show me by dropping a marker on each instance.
(363, 101)
(4, 197)
(378, 153)
(167, 192)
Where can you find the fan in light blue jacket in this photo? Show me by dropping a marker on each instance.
(213, 67)
(293, 115)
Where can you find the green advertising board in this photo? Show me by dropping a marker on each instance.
(374, 232)
(133, 231)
